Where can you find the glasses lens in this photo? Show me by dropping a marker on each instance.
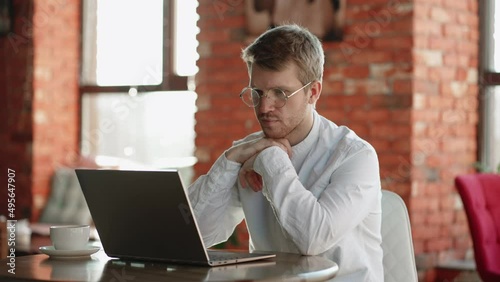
(252, 97)
(248, 97)
(255, 97)
(278, 96)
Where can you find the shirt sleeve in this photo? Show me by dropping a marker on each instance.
(315, 224)
(215, 201)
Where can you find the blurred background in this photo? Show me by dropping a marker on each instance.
(155, 84)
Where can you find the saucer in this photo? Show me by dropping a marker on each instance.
(68, 254)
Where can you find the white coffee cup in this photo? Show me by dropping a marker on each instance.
(69, 237)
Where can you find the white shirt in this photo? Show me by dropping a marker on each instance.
(325, 200)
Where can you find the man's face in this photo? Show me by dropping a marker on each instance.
(291, 120)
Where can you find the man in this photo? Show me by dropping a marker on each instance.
(303, 184)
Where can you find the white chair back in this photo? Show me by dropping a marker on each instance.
(399, 258)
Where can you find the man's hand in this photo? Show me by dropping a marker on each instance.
(242, 152)
(247, 176)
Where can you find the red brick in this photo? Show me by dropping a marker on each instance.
(361, 129)
(428, 57)
(442, 15)
(426, 115)
(231, 75)
(393, 42)
(375, 3)
(418, 247)
(217, 35)
(467, 47)
(463, 242)
(452, 116)
(355, 71)
(421, 72)
(332, 73)
(397, 102)
(400, 115)
(456, 60)
(421, 41)
(439, 244)
(399, 27)
(368, 56)
(425, 87)
(389, 70)
(462, 74)
(473, 6)
(396, 160)
(378, 13)
(366, 87)
(472, 90)
(371, 115)
(333, 115)
(473, 35)
(391, 132)
(202, 168)
(25, 61)
(230, 62)
(344, 101)
(427, 28)
(418, 219)
(403, 56)
(381, 145)
(451, 4)
(439, 161)
(467, 19)
(332, 88)
(472, 118)
(442, 74)
(426, 232)
(354, 44)
(439, 102)
(216, 22)
(381, 27)
(214, 10)
(401, 86)
(228, 49)
(421, 11)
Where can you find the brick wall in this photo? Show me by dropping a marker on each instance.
(16, 91)
(55, 101)
(40, 60)
(444, 121)
(404, 78)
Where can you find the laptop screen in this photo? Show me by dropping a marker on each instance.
(142, 214)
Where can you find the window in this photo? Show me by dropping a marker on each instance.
(137, 109)
(490, 86)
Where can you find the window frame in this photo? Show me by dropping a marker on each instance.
(486, 78)
(170, 82)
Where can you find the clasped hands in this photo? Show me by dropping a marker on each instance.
(246, 153)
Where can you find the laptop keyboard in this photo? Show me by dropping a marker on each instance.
(224, 256)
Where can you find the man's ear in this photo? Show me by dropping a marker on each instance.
(315, 91)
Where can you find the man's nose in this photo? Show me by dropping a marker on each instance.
(266, 104)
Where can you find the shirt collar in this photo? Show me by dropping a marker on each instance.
(300, 151)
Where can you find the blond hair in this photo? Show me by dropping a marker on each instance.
(276, 47)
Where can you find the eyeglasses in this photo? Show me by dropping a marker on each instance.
(252, 96)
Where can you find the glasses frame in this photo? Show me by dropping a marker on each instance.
(265, 94)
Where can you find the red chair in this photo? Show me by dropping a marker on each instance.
(480, 195)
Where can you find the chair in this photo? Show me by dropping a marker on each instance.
(66, 204)
(397, 244)
(480, 195)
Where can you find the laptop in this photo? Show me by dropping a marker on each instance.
(249, 271)
(146, 215)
